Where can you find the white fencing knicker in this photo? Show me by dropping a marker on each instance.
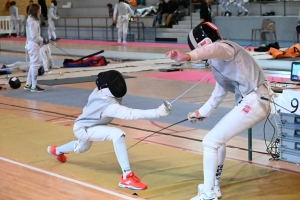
(122, 26)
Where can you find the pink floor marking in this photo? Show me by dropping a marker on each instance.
(113, 43)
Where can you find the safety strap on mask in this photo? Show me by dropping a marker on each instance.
(192, 39)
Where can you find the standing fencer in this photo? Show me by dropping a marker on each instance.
(235, 71)
(52, 15)
(124, 13)
(225, 7)
(104, 104)
(33, 43)
(14, 19)
(240, 8)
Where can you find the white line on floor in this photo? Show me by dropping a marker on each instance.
(67, 179)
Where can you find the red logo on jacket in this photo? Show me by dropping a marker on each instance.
(246, 109)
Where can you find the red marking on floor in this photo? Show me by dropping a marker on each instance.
(64, 117)
(112, 43)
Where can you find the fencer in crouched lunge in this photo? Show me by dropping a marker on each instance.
(33, 43)
(52, 15)
(124, 13)
(104, 104)
(237, 72)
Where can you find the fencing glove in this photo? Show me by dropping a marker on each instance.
(195, 116)
(45, 41)
(162, 110)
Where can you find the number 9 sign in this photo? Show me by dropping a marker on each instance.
(294, 104)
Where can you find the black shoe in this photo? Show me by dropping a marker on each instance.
(262, 49)
(274, 45)
(55, 40)
(36, 89)
(239, 13)
(271, 13)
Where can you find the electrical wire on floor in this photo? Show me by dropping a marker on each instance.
(273, 146)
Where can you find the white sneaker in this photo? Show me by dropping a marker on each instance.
(203, 196)
(218, 191)
(124, 42)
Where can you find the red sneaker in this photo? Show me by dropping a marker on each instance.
(132, 182)
(52, 151)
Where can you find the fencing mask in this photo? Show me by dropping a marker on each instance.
(203, 34)
(14, 82)
(41, 71)
(114, 81)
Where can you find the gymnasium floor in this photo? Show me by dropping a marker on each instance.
(170, 162)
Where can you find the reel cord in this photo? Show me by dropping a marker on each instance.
(273, 146)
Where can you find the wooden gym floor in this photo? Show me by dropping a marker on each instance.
(24, 177)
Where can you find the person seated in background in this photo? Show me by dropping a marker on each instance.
(172, 6)
(162, 7)
(181, 11)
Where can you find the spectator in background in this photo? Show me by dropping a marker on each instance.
(299, 18)
(197, 6)
(27, 9)
(44, 9)
(14, 19)
(162, 7)
(181, 11)
(172, 6)
(240, 8)
(7, 5)
(205, 11)
(110, 10)
(51, 17)
(224, 5)
(124, 13)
